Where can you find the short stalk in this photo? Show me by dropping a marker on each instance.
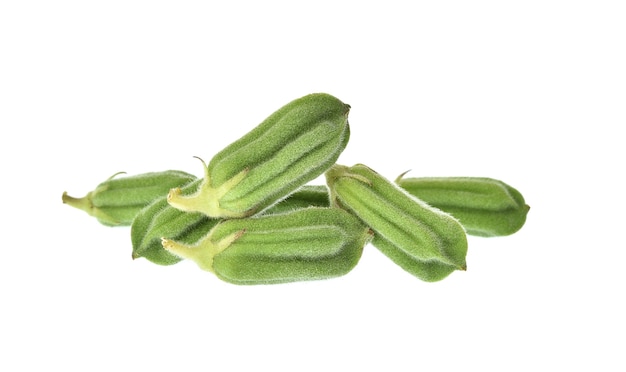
(203, 252)
(206, 199)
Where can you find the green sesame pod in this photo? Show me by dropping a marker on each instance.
(294, 145)
(410, 225)
(159, 219)
(305, 244)
(484, 206)
(116, 201)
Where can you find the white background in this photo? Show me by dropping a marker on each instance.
(531, 93)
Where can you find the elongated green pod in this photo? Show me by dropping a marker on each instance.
(159, 219)
(116, 201)
(305, 244)
(408, 224)
(291, 147)
(484, 206)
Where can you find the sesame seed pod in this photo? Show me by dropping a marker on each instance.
(116, 201)
(420, 231)
(484, 206)
(305, 244)
(291, 147)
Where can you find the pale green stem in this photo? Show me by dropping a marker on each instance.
(85, 204)
(203, 252)
(206, 199)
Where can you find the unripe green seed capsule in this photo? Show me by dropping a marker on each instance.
(484, 206)
(291, 147)
(116, 201)
(159, 219)
(305, 244)
(408, 224)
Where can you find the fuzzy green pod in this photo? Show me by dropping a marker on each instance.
(305, 244)
(116, 201)
(291, 147)
(484, 206)
(409, 228)
(159, 219)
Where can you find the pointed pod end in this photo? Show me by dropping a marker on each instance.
(399, 178)
(115, 175)
(201, 160)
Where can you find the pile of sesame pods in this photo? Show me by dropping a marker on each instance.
(253, 218)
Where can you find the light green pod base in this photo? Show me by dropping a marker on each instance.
(484, 206)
